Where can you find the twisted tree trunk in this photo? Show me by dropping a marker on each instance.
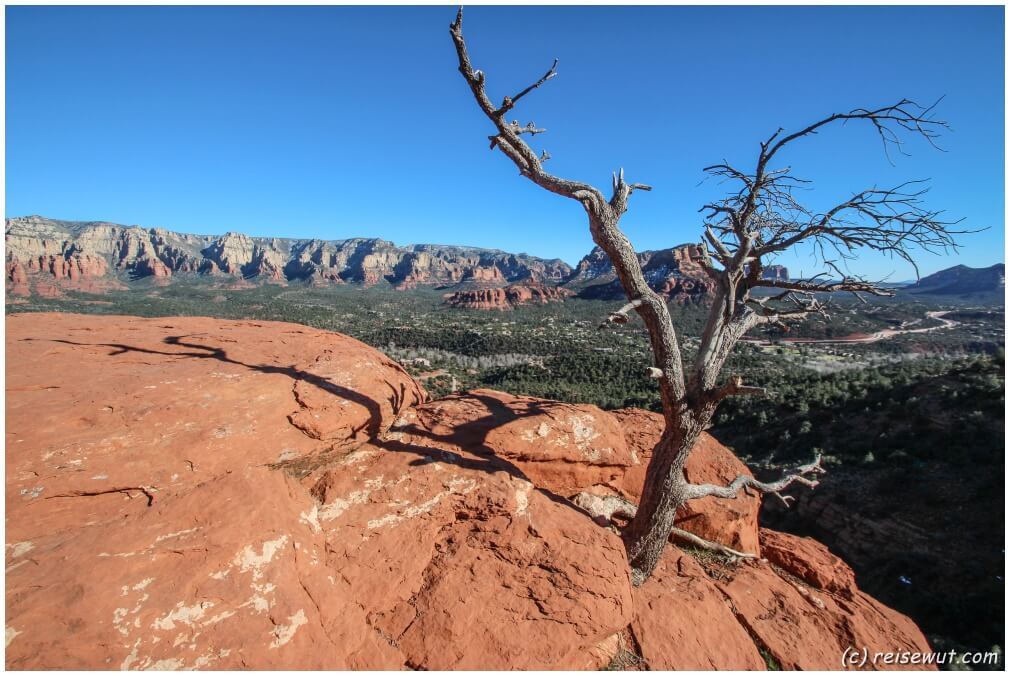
(743, 230)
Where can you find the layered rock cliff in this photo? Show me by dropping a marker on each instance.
(59, 250)
(196, 493)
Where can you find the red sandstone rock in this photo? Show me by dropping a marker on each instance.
(481, 274)
(151, 508)
(226, 575)
(156, 519)
(97, 402)
(683, 622)
(807, 628)
(462, 564)
(565, 448)
(52, 274)
(731, 522)
(808, 560)
(506, 298)
(17, 279)
(153, 267)
(717, 615)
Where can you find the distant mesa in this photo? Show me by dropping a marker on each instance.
(961, 280)
(508, 297)
(777, 272)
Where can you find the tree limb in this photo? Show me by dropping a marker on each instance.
(687, 536)
(735, 387)
(696, 491)
(621, 316)
(510, 101)
(507, 138)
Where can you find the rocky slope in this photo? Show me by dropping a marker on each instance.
(197, 493)
(49, 249)
(961, 280)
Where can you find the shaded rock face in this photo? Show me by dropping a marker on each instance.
(98, 249)
(564, 448)
(676, 273)
(196, 493)
(507, 298)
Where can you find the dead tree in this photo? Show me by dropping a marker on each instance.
(741, 234)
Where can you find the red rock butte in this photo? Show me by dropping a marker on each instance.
(196, 493)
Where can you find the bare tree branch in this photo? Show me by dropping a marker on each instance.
(687, 536)
(603, 222)
(509, 102)
(507, 138)
(621, 316)
(735, 387)
(696, 491)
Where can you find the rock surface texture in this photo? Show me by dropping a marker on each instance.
(195, 493)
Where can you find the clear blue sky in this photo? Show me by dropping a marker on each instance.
(336, 122)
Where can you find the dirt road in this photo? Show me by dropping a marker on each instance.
(883, 334)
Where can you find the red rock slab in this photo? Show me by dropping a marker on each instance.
(682, 621)
(565, 448)
(809, 560)
(105, 414)
(463, 564)
(804, 628)
(731, 522)
(229, 575)
(720, 615)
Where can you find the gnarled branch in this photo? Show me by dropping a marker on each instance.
(508, 139)
(696, 491)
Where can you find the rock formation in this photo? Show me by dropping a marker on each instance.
(674, 272)
(197, 493)
(508, 297)
(776, 272)
(52, 249)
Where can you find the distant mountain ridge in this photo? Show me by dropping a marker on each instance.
(76, 251)
(962, 280)
(45, 255)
